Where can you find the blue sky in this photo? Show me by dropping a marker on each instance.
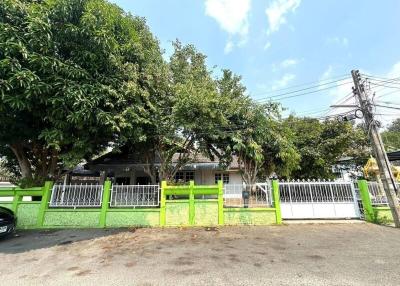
(280, 44)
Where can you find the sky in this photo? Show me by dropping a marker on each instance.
(282, 46)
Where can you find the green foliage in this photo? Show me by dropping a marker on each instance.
(75, 75)
(391, 137)
(322, 144)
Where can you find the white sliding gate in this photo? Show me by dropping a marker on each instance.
(318, 200)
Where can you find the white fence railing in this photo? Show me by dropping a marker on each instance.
(316, 191)
(260, 195)
(76, 196)
(135, 196)
(377, 193)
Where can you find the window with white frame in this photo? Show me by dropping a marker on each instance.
(184, 176)
(223, 177)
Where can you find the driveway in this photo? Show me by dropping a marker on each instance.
(318, 254)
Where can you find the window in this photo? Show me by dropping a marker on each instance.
(184, 176)
(223, 177)
(122, 180)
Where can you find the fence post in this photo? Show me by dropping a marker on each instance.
(44, 204)
(220, 203)
(16, 199)
(191, 203)
(366, 201)
(277, 201)
(105, 203)
(162, 204)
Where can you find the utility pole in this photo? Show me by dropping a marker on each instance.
(385, 171)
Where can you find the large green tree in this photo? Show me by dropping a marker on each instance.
(252, 133)
(322, 143)
(391, 136)
(75, 76)
(184, 110)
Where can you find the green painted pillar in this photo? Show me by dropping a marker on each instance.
(163, 204)
(220, 203)
(105, 203)
(17, 198)
(366, 201)
(44, 204)
(191, 203)
(277, 201)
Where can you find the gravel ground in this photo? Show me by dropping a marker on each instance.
(304, 254)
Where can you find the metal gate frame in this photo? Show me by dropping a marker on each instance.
(318, 200)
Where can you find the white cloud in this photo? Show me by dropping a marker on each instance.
(340, 90)
(341, 41)
(388, 96)
(289, 62)
(285, 64)
(228, 47)
(283, 82)
(267, 46)
(326, 74)
(276, 13)
(231, 15)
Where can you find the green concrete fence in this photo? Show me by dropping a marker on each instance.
(372, 213)
(189, 205)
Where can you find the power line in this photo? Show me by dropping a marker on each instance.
(386, 106)
(338, 78)
(301, 94)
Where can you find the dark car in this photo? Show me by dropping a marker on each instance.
(7, 221)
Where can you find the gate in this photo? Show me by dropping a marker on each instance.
(318, 200)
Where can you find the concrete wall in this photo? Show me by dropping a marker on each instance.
(249, 216)
(184, 212)
(132, 217)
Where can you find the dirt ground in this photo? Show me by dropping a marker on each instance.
(319, 254)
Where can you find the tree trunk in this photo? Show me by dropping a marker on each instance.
(24, 164)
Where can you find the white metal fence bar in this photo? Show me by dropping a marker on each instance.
(316, 191)
(135, 196)
(377, 193)
(260, 195)
(83, 195)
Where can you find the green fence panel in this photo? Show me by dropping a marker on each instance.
(206, 213)
(250, 216)
(28, 214)
(133, 217)
(72, 218)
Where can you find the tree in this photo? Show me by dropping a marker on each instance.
(252, 132)
(322, 143)
(391, 137)
(184, 109)
(74, 77)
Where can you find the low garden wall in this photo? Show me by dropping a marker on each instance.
(188, 211)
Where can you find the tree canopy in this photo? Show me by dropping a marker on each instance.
(78, 77)
(391, 136)
(322, 143)
(74, 77)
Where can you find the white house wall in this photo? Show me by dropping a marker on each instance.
(207, 177)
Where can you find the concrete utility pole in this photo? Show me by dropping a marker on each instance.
(385, 171)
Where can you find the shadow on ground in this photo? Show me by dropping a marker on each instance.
(25, 240)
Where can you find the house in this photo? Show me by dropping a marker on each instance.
(394, 157)
(130, 169)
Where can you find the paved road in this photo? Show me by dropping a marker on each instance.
(328, 254)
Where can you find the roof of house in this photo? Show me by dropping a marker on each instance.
(394, 156)
(128, 158)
